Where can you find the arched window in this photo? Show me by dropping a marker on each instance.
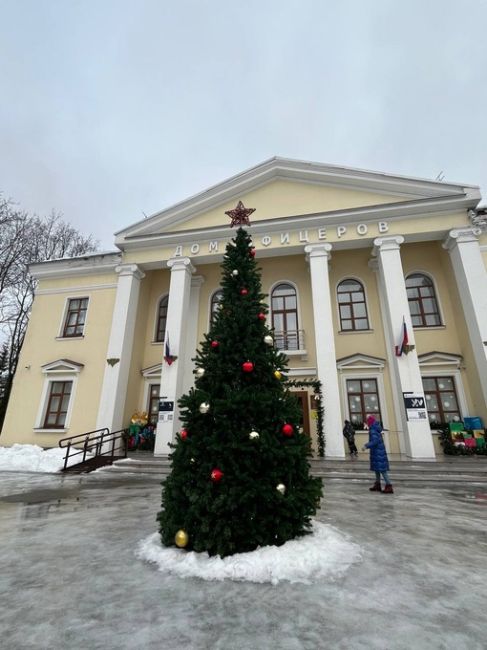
(215, 304)
(422, 301)
(284, 307)
(352, 306)
(161, 319)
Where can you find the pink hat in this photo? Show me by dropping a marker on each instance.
(370, 420)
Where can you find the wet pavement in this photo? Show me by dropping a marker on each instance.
(69, 578)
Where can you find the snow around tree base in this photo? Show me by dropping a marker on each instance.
(326, 554)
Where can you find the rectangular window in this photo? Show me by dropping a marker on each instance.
(363, 400)
(75, 317)
(57, 405)
(441, 399)
(154, 390)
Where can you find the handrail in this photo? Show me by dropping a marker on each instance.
(289, 340)
(103, 444)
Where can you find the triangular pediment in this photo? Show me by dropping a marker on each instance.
(62, 366)
(436, 358)
(152, 372)
(281, 189)
(360, 361)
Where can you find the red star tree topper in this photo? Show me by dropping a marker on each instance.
(240, 215)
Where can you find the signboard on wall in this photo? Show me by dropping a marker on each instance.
(415, 406)
(166, 410)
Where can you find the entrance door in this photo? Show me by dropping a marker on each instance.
(303, 400)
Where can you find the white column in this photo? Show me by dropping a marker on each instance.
(119, 353)
(192, 332)
(471, 276)
(318, 256)
(417, 439)
(172, 376)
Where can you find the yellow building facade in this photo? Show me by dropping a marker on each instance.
(350, 260)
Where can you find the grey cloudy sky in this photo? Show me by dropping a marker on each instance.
(112, 108)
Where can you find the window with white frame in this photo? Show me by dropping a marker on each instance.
(423, 305)
(352, 307)
(363, 400)
(74, 321)
(58, 394)
(161, 319)
(441, 399)
(215, 304)
(284, 307)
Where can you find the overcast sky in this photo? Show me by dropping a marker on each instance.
(114, 108)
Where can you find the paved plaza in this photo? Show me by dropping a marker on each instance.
(70, 578)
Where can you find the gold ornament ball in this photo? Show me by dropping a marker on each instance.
(181, 538)
(280, 487)
(277, 374)
(204, 407)
(200, 372)
(268, 340)
(254, 435)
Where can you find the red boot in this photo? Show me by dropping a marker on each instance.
(388, 489)
(375, 487)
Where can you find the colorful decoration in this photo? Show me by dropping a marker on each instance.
(216, 475)
(240, 215)
(204, 407)
(268, 340)
(139, 418)
(280, 487)
(277, 374)
(214, 344)
(184, 434)
(247, 366)
(181, 538)
(254, 435)
(200, 372)
(261, 316)
(244, 292)
(287, 429)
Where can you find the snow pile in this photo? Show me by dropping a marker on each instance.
(32, 458)
(326, 553)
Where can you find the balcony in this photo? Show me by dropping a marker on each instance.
(291, 342)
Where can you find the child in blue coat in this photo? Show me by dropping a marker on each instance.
(379, 463)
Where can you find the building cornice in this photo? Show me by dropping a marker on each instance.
(87, 265)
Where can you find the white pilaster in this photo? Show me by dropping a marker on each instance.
(318, 256)
(172, 376)
(417, 440)
(471, 276)
(119, 352)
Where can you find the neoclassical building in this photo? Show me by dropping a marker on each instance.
(351, 261)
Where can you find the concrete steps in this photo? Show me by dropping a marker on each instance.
(454, 472)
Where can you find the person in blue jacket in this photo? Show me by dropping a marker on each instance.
(379, 463)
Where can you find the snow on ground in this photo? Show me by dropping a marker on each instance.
(32, 458)
(326, 553)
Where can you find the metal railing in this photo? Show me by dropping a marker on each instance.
(98, 444)
(289, 340)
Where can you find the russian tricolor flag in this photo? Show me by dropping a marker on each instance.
(401, 348)
(168, 357)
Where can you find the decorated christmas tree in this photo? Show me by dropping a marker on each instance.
(240, 472)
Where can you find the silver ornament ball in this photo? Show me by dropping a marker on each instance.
(200, 372)
(254, 435)
(235, 272)
(280, 487)
(204, 407)
(268, 340)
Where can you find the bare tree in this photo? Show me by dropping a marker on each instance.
(25, 239)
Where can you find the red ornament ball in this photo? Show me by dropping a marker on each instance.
(214, 344)
(244, 292)
(216, 475)
(252, 252)
(287, 429)
(261, 316)
(183, 434)
(247, 366)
